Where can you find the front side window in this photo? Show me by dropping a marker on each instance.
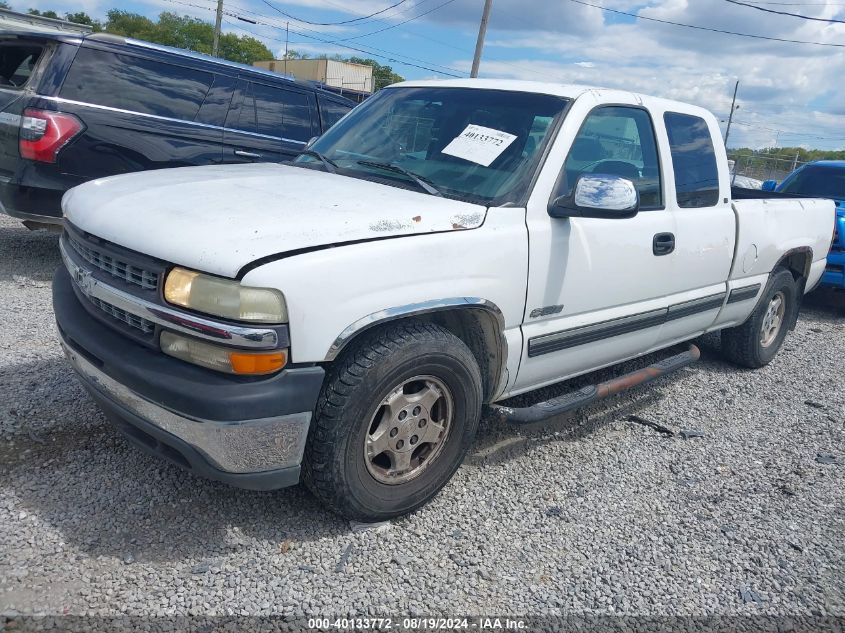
(694, 160)
(136, 84)
(617, 141)
(478, 145)
(818, 181)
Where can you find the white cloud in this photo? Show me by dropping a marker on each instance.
(782, 85)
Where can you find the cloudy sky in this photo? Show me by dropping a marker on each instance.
(789, 93)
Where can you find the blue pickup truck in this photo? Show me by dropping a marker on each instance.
(822, 179)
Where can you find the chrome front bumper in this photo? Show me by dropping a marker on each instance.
(245, 446)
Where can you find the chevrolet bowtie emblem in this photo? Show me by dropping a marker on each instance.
(84, 280)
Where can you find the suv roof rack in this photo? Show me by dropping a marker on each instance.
(184, 52)
(15, 21)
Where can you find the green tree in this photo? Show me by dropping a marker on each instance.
(44, 14)
(296, 55)
(183, 31)
(382, 75)
(80, 17)
(130, 25)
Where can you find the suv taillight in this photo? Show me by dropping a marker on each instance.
(43, 134)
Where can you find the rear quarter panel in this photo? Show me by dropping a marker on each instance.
(768, 229)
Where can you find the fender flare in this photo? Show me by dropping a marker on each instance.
(387, 315)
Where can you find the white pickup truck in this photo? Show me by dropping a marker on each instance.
(342, 320)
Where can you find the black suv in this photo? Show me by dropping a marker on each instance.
(78, 107)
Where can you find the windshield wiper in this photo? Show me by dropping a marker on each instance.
(328, 163)
(423, 184)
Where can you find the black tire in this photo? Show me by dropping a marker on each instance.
(742, 344)
(335, 467)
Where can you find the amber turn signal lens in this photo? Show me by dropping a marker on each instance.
(221, 358)
(250, 363)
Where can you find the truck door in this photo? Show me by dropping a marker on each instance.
(705, 225)
(596, 287)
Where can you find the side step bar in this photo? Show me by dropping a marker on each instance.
(592, 393)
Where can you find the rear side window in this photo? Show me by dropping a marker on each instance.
(331, 112)
(137, 84)
(276, 112)
(818, 181)
(17, 61)
(694, 160)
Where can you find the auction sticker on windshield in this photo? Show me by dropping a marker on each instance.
(479, 144)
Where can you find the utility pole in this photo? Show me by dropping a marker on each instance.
(287, 34)
(217, 24)
(731, 117)
(482, 32)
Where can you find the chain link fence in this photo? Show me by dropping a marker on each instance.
(751, 171)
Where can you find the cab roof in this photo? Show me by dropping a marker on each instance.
(568, 91)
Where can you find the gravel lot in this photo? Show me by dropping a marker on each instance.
(592, 514)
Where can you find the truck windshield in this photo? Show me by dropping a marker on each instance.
(477, 145)
(818, 181)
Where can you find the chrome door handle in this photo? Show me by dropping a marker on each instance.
(245, 154)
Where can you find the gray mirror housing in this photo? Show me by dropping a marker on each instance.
(598, 196)
(311, 141)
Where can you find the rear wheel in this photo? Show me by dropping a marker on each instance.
(756, 342)
(395, 419)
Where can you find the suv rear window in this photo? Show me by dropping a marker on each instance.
(819, 181)
(136, 83)
(276, 112)
(17, 60)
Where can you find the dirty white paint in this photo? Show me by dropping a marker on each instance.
(219, 218)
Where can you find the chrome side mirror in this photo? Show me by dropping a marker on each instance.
(598, 196)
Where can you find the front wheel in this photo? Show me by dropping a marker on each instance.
(396, 416)
(755, 342)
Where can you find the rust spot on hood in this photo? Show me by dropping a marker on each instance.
(466, 220)
(417, 218)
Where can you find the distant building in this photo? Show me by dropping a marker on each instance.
(351, 80)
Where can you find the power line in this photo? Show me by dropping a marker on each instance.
(799, 135)
(365, 17)
(389, 55)
(389, 58)
(398, 24)
(704, 28)
(792, 15)
(240, 9)
(804, 4)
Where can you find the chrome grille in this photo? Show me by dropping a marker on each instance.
(147, 327)
(127, 272)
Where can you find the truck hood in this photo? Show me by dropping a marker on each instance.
(217, 219)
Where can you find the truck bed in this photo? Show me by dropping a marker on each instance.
(770, 225)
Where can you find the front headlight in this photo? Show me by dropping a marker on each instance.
(224, 297)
